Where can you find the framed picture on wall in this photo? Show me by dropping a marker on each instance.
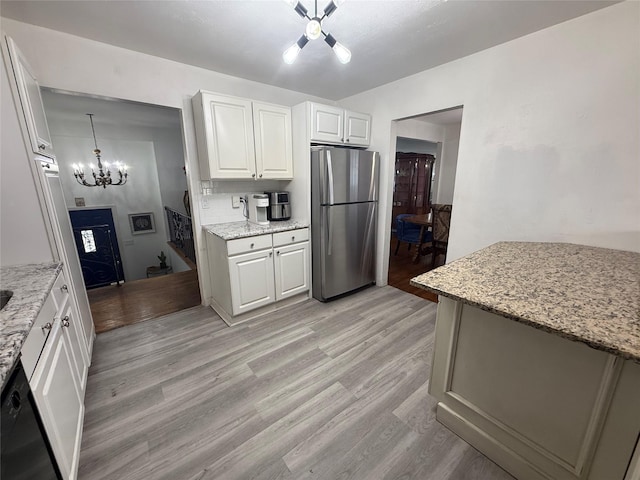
(142, 223)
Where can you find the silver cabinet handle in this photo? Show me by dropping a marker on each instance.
(271, 254)
(47, 326)
(253, 175)
(293, 238)
(278, 252)
(42, 146)
(64, 288)
(260, 175)
(251, 246)
(65, 321)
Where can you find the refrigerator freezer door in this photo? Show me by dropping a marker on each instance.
(345, 259)
(342, 175)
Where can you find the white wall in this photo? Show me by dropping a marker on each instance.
(411, 145)
(75, 64)
(447, 164)
(23, 236)
(141, 194)
(549, 143)
(169, 154)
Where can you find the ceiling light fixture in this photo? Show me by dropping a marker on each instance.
(103, 177)
(314, 30)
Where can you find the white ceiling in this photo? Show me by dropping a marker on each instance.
(388, 39)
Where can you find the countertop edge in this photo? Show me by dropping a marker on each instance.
(245, 229)
(598, 345)
(17, 319)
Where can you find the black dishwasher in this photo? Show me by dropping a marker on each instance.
(26, 453)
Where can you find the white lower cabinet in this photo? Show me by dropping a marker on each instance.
(251, 276)
(56, 360)
(59, 398)
(291, 270)
(257, 272)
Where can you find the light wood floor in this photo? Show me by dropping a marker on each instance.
(402, 270)
(319, 391)
(141, 300)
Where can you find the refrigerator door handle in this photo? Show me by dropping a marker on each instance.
(330, 175)
(329, 230)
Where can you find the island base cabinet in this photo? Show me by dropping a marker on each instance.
(60, 401)
(539, 405)
(252, 284)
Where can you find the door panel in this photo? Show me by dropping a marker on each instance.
(347, 247)
(252, 283)
(292, 270)
(95, 236)
(342, 175)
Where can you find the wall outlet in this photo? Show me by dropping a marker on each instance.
(235, 201)
(204, 201)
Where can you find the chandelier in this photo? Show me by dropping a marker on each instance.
(103, 177)
(314, 30)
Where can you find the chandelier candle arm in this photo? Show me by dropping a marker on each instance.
(103, 177)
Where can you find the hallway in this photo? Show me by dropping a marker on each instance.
(140, 300)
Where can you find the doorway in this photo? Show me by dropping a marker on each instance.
(424, 179)
(148, 139)
(97, 244)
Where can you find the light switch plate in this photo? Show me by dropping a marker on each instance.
(204, 201)
(235, 201)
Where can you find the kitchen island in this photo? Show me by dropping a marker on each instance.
(537, 357)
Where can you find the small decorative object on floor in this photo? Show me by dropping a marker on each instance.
(163, 260)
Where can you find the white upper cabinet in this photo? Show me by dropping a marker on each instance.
(357, 128)
(327, 123)
(241, 139)
(338, 126)
(272, 134)
(31, 102)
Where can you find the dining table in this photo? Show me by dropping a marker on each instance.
(424, 220)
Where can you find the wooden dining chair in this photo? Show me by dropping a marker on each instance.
(409, 232)
(441, 217)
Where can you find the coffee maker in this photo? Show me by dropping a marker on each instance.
(257, 205)
(279, 206)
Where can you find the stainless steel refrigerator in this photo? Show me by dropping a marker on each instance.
(344, 209)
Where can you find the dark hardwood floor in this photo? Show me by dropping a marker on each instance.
(140, 300)
(402, 269)
(320, 391)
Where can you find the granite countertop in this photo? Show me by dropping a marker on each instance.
(30, 285)
(585, 294)
(232, 230)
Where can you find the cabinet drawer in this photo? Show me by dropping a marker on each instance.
(248, 244)
(34, 343)
(60, 291)
(291, 236)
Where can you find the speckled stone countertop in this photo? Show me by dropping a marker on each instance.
(231, 230)
(585, 294)
(30, 285)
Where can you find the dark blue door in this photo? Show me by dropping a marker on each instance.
(97, 245)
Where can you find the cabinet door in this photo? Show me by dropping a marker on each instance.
(228, 130)
(251, 278)
(59, 400)
(72, 330)
(272, 132)
(326, 123)
(357, 128)
(31, 100)
(291, 269)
